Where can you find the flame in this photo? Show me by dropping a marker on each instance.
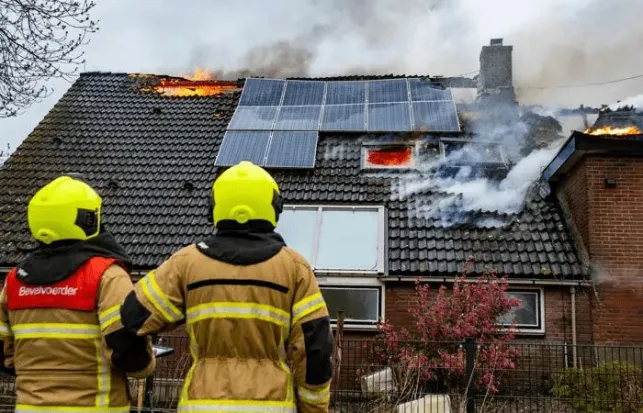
(201, 83)
(390, 156)
(608, 130)
(199, 74)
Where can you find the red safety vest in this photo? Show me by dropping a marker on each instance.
(76, 292)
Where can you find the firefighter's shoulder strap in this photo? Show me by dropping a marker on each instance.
(76, 292)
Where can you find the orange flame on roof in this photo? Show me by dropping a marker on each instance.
(201, 83)
(608, 130)
(199, 74)
(396, 156)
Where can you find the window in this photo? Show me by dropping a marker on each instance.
(388, 156)
(336, 239)
(463, 152)
(360, 304)
(529, 317)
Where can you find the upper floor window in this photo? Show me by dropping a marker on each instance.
(465, 152)
(336, 238)
(388, 156)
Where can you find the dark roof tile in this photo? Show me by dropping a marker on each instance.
(152, 159)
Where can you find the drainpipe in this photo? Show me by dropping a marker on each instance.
(572, 291)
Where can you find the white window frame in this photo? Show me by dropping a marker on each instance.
(381, 226)
(528, 329)
(356, 283)
(367, 146)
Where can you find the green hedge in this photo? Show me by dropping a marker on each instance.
(614, 387)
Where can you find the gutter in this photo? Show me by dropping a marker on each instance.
(572, 291)
(575, 283)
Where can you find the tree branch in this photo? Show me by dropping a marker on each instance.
(39, 40)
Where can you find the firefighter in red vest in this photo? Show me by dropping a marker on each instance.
(59, 310)
(246, 298)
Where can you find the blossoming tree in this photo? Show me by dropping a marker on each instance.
(431, 356)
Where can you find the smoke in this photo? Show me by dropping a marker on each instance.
(556, 43)
(467, 191)
(633, 101)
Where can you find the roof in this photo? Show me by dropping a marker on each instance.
(580, 144)
(152, 159)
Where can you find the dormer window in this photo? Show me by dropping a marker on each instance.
(465, 152)
(388, 156)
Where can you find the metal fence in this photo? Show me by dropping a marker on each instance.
(447, 377)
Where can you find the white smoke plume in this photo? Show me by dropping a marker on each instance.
(633, 101)
(557, 44)
(563, 53)
(465, 192)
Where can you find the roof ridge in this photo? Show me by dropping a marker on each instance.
(103, 73)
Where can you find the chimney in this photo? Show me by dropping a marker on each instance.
(496, 74)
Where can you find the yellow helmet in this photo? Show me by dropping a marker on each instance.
(64, 209)
(246, 192)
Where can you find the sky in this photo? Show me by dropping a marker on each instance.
(566, 43)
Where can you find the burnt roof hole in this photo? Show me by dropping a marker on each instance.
(188, 185)
(157, 111)
(112, 185)
(57, 140)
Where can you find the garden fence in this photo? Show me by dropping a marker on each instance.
(542, 377)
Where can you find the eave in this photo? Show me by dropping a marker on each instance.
(580, 144)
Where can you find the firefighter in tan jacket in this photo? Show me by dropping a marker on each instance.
(246, 300)
(59, 310)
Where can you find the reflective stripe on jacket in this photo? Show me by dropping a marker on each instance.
(240, 319)
(66, 342)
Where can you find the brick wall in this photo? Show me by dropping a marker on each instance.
(576, 195)
(611, 223)
(558, 311)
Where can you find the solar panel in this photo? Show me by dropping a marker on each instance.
(344, 118)
(293, 149)
(389, 117)
(436, 116)
(243, 145)
(303, 93)
(262, 92)
(386, 91)
(423, 90)
(344, 93)
(253, 117)
(298, 118)
(378, 105)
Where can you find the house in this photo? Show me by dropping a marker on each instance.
(153, 153)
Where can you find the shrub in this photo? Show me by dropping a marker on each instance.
(615, 387)
(431, 358)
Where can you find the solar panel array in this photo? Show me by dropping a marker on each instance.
(276, 122)
(284, 149)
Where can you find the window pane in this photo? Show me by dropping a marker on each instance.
(348, 240)
(297, 227)
(359, 304)
(527, 314)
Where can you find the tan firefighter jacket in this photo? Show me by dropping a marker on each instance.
(64, 341)
(245, 298)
